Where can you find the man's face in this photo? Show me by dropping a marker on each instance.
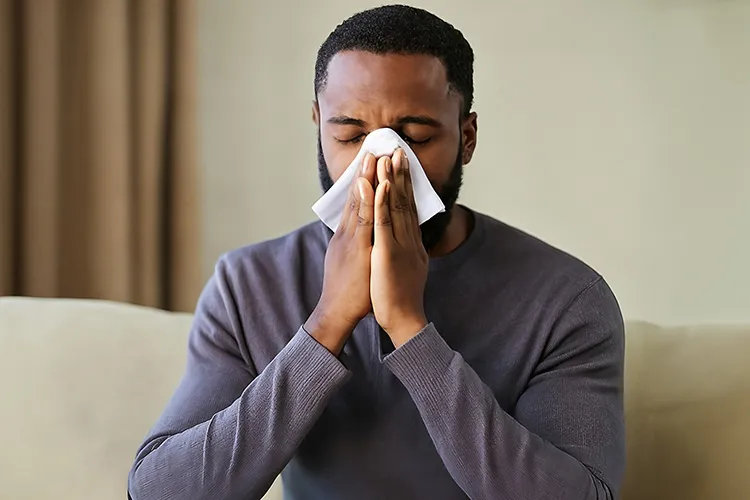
(409, 94)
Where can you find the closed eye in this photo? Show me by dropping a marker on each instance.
(353, 140)
(414, 142)
(358, 139)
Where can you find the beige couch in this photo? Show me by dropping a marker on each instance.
(82, 381)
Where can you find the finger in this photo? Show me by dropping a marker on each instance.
(375, 179)
(351, 207)
(385, 169)
(370, 169)
(414, 215)
(399, 201)
(348, 221)
(383, 222)
(365, 216)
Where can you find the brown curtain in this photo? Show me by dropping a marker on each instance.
(98, 162)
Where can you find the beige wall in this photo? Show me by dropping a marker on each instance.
(619, 132)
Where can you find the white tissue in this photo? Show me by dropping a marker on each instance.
(381, 142)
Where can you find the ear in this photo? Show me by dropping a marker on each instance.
(469, 135)
(316, 113)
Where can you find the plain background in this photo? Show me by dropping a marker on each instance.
(618, 131)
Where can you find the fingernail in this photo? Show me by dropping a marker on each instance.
(361, 190)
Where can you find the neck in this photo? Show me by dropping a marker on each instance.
(458, 230)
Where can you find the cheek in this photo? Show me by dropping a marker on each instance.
(338, 157)
(438, 162)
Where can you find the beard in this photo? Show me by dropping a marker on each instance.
(433, 229)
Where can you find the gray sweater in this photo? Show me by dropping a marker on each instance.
(514, 391)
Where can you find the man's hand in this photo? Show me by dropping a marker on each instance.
(399, 259)
(345, 299)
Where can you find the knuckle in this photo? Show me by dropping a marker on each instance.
(364, 221)
(385, 220)
(402, 203)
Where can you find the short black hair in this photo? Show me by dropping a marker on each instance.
(401, 29)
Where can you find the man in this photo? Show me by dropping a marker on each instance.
(462, 359)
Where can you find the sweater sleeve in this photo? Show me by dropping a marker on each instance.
(565, 437)
(227, 432)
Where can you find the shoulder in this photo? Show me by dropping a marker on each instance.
(307, 242)
(254, 301)
(537, 269)
(533, 255)
(568, 294)
(264, 286)
(274, 268)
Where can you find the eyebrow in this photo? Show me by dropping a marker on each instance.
(345, 120)
(402, 120)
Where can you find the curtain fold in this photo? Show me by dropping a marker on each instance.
(98, 160)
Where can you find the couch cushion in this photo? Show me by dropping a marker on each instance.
(81, 382)
(687, 412)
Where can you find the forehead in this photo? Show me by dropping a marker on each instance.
(399, 82)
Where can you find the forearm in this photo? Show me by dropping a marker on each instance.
(487, 452)
(241, 449)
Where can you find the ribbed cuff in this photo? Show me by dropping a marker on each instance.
(421, 359)
(316, 369)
